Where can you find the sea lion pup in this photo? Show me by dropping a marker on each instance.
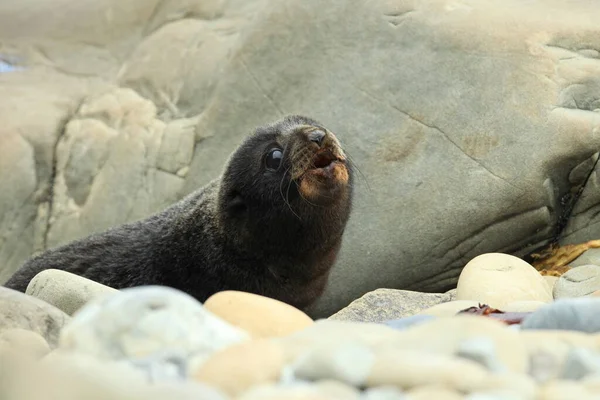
(272, 224)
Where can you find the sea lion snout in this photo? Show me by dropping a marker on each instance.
(319, 165)
(316, 136)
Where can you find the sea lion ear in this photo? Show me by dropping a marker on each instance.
(235, 203)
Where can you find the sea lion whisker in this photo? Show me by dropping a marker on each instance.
(282, 195)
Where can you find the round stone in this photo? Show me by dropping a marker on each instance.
(384, 393)
(300, 391)
(18, 310)
(330, 333)
(498, 279)
(260, 316)
(24, 342)
(409, 369)
(433, 392)
(242, 366)
(575, 314)
(578, 282)
(550, 281)
(350, 363)
(67, 292)
(152, 326)
(501, 347)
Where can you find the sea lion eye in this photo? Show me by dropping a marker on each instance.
(273, 160)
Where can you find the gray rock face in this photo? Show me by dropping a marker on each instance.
(469, 122)
(18, 310)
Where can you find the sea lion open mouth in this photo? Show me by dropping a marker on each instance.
(325, 174)
(324, 159)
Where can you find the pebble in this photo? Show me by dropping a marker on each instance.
(430, 393)
(578, 282)
(350, 363)
(498, 279)
(24, 342)
(408, 369)
(67, 292)
(577, 314)
(260, 316)
(18, 310)
(328, 333)
(68, 376)
(161, 330)
(482, 350)
(239, 367)
(564, 390)
(302, 391)
(550, 281)
(508, 348)
(384, 393)
(548, 350)
(581, 362)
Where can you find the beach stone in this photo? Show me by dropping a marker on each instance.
(66, 291)
(71, 376)
(329, 333)
(495, 395)
(592, 383)
(408, 369)
(152, 326)
(548, 350)
(389, 304)
(577, 314)
(337, 389)
(350, 363)
(437, 393)
(300, 391)
(23, 342)
(449, 309)
(406, 322)
(260, 316)
(578, 282)
(384, 393)
(551, 281)
(481, 350)
(564, 390)
(238, 367)
(580, 363)
(507, 350)
(18, 310)
(498, 279)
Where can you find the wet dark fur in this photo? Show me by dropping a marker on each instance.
(238, 232)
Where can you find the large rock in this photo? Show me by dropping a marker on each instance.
(388, 304)
(471, 122)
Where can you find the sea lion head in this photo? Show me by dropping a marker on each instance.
(292, 169)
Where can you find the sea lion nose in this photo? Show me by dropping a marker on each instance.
(316, 136)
